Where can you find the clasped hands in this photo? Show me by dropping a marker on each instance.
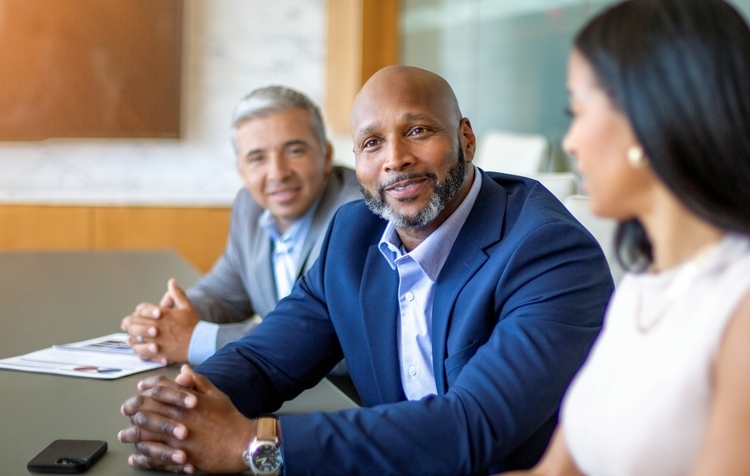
(162, 333)
(185, 424)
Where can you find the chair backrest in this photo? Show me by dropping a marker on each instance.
(511, 153)
(561, 185)
(603, 230)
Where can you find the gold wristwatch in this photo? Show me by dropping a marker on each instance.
(263, 454)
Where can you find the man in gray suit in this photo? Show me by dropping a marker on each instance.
(278, 222)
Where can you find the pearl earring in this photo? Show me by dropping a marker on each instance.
(635, 157)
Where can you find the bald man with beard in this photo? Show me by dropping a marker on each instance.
(463, 301)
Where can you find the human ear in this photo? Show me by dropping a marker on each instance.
(328, 157)
(468, 139)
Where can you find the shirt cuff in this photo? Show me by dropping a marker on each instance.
(202, 342)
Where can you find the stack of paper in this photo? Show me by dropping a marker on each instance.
(108, 357)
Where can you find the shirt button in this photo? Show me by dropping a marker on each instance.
(412, 371)
(409, 296)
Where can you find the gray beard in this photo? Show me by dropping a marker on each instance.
(443, 193)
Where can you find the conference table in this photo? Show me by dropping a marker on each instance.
(50, 298)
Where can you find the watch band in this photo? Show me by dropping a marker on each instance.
(263, 454)
(266, 428)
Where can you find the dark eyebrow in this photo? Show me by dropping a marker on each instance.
(292, 142)
(366, 130)
(253, 152)
(406, 117)
(286, 144)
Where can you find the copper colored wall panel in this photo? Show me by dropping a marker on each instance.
(89, 68)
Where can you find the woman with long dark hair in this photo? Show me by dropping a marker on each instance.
(660, 99)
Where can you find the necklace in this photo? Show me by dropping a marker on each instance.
(677, 288)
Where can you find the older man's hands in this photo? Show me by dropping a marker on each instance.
(186, 424)
(162, 333)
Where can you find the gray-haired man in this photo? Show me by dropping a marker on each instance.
(278, 221)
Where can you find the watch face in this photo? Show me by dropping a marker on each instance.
(266, 458)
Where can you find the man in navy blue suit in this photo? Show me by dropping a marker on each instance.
(463, 302)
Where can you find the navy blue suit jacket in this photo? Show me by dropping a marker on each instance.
(517, 306)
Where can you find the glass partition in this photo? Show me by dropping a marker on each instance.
(506, 59)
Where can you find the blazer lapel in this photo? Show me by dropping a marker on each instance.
(326, 208)
(483, 227)
(262, 284)
(379, 304)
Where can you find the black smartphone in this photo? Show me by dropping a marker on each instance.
(67, 456)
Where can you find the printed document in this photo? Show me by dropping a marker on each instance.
(108, 357)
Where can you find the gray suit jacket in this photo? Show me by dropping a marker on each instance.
(242, 282)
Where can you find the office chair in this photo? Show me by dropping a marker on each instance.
(511, 153)
(603, 230)
(562, 185)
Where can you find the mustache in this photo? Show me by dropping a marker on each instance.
(407, 176)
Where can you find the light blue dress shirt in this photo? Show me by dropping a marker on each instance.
(287, 253)
(418, 270)
(287, 248)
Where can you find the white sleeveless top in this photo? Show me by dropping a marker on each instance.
(640, 404)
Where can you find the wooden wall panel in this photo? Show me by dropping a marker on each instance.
(90, 68)
(363, 37)
(199, 234)
(44, 228)
(380, 35)
(344, 60)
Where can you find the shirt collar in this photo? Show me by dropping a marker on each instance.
(432, 253)
(296, 232)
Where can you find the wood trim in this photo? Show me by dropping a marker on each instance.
(343, 61)
(363, 37)
(380, 36)
(199, 234)
(24, 227)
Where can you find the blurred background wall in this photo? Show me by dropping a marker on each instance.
(229, 48)
(506, 60)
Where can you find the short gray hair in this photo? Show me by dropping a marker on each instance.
(272, 99)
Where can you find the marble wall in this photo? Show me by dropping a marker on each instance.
(230, 47)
